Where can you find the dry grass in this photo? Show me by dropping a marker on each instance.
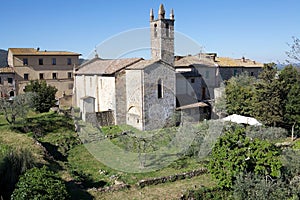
(162, 191)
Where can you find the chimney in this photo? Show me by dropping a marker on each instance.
(243, 59)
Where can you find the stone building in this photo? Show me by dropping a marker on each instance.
(139, 92)
(55, 67)
(230, 67)
(7, 82)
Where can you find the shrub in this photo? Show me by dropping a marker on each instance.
(13, 162)
(41, 184)
(234, 153)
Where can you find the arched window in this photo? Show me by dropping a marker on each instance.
(160, 92)
(11, 93)
(155, 30)
(167, 30)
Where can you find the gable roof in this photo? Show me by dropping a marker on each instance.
(105, 66)
(32, 52)
(231, 62)
(146, 63)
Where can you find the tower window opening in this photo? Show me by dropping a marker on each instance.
(160, 89)
(167, 30)
(155, 30)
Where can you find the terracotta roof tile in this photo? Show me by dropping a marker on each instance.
(32, 52)
(103, 66)
(230, 62)
(194, 60)
(7, 70)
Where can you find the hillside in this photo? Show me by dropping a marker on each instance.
(3, 58)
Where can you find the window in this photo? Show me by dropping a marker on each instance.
(160, 89)
(69, 61)
(0, 80)
(53, 61)
(207, 74)
(11, 93)
(26, 77)
(70, 86)
(155, 30)
(41, 76)
(10, 80)
(69, 74)
(192, 80)
(167, 30)
(25, 61)
(203, 93)
(54, 75)
(235, 72)
(41, 62)
(252, 74)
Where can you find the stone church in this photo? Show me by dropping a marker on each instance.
(138, 92)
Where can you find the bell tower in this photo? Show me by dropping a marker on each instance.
(162, 36)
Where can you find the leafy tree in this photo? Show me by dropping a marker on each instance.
(45, 95)
(239, 95)
(289, 79)
(234, 153)
(268, 100)
(18, 107)
(40, 184)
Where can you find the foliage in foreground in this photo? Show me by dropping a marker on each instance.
(40, 184)
(45, 95)
(13, 163)
(235, 153)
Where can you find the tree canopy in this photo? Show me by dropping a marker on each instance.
(45, 95)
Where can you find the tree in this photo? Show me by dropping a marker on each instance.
(234, 153)
(45, 95)
(294, 52)
(40, 184)
(289, 79)
(268, 100)
(17, 107)
(239, 95)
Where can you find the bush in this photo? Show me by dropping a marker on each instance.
(234, 153)
(13, 163)
(260, 188)
(208, 194)
(40, 184)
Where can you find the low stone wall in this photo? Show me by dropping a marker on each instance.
(172, 178)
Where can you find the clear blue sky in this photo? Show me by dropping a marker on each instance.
(257, 29)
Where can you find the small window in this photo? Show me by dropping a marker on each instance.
(167, 30)
(155, 30)
(11, 93)
(41, 61)
(69, 74)
(53, 61)
(192, 80)
(69, 61)
(54, 75)
(70, 86)
(25, 61)
(26, 77)
(41, 76)
(235, 72)
(160, 89)
(0, 80)
(207, 74)
(10, 80)
(251, 73)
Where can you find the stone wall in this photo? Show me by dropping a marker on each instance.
(121, 97)
(228, 72)
(172, 178)
(158, 110)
